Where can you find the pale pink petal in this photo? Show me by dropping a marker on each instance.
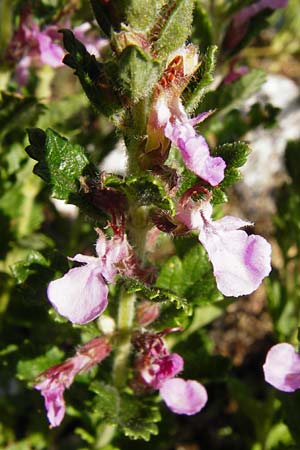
(54, 401)
(195, 152)
(22, 70)
(282, 367)
(230, 223)
(201, 117)
(50, 53)
(240, 262)
(80, 295)
(183, 396)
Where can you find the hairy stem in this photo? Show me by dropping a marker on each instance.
(125, 320)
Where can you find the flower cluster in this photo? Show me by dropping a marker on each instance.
(32, 46)
(156, 369)
(57, 378)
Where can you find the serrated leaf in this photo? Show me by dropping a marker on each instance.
(30, 369)
(107, 403)
(173, 26)
(92, 76)
(147, 190)
(138, 417)
(228, 96)
(60, 163)
(191, 278)
(138, 72)
(157, 294)
(197, 87)
(22, 269)
(235, 155)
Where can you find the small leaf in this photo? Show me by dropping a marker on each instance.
(235, 155)
(202, 79)
(92, 76)
(107, 402)
(138, 72)
(60, 163)
(147, 190)
(141, 15)
(173, 26)
(138, 417)
(30, 369)
(22, 269)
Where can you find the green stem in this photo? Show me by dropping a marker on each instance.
(105, 435)
(125, 321)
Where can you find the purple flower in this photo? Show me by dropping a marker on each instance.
(156, 369)
(282, 367)
(168, 120)
(183, 396)
(31, 46)
(240, 262)
(179, 129)
(60, 377)
(81, 294)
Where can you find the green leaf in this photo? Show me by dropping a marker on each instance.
(202, 33)
(157, 294)
(60, 163)
(202, 79)
(92, 76)
(22, 269)
(228, 96)
(141, 15)
(148, 190)
(191, 277)
(29, 369)
(138, 73)
(107, 402)
(235, 155)
(173, 26)
(138, 417)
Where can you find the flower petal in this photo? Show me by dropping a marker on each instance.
(240, 261)
(183, 396)
(80, 295)
(282, 367)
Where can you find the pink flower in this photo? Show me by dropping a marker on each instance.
(157, 369)
(183, 396)
(282, 367)
(240, 21)
(169, 122)
(170, 115)
(31, 46)
(81, 294)
(60, 377)
(240, 261)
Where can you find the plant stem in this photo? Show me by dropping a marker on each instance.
(125, 320)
